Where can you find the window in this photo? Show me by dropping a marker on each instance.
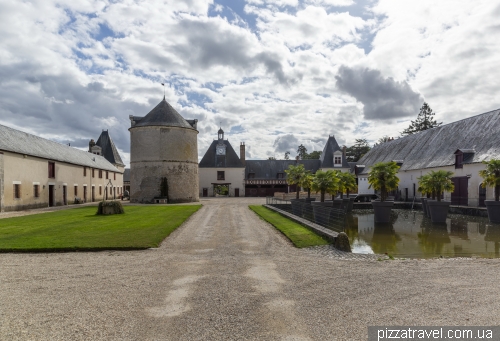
(338, 160)
(114, 176)
(459, 159)
(220, 175)
(17, 191)
(36, 191)
(100, 190)
(84, 171)
(251, 175)
(100, 174)
(280, 176)
(76, 191)
(107, 175)
(52, 170)
(93, 173)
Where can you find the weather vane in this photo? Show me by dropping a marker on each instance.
(163, 84)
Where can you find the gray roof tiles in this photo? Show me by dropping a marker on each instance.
(269, 169)
(109, 150)
(326, 157)
(232, 159)
(16, 141)
(436, 147)
(162, 115)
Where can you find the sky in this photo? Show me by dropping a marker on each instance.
(272, 74)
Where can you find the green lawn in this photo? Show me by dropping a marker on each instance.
(80, 229)
(298, 234)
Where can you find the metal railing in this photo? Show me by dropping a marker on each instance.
(324, 214)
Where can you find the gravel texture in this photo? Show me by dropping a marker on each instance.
(227, 275)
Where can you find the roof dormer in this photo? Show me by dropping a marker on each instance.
(337, 158)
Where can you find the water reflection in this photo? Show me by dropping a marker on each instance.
(410, 234)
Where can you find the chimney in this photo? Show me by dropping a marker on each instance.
(343, 151)
(91, 144)
(242, 152)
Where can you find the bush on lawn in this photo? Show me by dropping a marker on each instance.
(116, 207)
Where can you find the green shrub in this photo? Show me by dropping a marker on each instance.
(116, 205)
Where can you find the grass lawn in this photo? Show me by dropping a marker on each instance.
(298, 234)
(140, 227)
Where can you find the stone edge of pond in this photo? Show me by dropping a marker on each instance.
(320, 230)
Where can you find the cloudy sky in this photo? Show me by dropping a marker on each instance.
(274, 73)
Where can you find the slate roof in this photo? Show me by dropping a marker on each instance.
(232, 159)
(16, 141)
(269, 169)
(126, 175)
(162, 115)
(326, 157)
(109, 150)
(436, 147)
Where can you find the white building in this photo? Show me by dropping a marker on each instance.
(459, 147)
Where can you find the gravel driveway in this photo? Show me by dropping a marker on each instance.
(227, 275)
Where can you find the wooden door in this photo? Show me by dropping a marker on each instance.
(236, 192)
(85, 194)
(205, 192)
(460, 195)
(93, 193)
(65, 195)
(51, 195)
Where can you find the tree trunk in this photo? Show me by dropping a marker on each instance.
(341, 195)
(322, 199)
(347, 192)
(308, 193)
(297, 192)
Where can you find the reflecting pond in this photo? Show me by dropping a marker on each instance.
(410, 234)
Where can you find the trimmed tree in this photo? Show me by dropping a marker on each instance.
(491, 176)
(325, 182)
(295, 176)
(382, 177)
(439, 182)
(347, 183)
(307, 183)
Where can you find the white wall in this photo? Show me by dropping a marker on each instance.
(234, 176)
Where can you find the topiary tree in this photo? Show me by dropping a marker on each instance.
(347, 183)
(491, 176)
(295, 175)
(439, 182)
(325, 182)
(382, 177)
(424, 186)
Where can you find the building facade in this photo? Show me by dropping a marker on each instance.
(221, 167)
(36, 173)
(459, 147)
(163, 147)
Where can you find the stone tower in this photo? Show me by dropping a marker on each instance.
(163, 145)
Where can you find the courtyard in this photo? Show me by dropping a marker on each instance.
(225, 274)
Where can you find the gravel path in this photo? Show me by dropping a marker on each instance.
(227, 275)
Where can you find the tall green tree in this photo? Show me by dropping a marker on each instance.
(314, 155)
(439, 182)
(347, 183)
(383, 177)
(491, 176)
(356, 151)
(325, 182)
(302, 151)
(425, 120)
(296, 175)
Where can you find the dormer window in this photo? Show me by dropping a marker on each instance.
(459, 160)
(338, 160)
(280, 176)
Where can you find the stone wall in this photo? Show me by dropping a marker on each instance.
(157, 152)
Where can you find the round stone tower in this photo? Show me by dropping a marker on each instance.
(163, 157)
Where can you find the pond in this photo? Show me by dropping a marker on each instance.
(412, 235)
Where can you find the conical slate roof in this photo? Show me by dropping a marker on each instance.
(162, 115)
(109, 150)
